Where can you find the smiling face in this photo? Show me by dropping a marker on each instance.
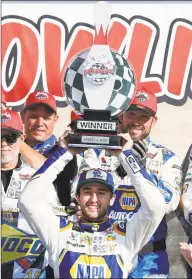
(137, 123)
(39, 123)
(94, 200)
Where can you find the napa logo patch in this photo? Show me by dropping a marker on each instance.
(90, 267)
(126, 204)
(129, 201)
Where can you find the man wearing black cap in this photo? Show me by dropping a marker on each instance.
(162, 165)
(92, 247)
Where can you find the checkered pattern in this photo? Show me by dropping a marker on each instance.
(122, 94)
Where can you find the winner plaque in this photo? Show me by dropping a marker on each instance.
(99, 83)
(96, 129)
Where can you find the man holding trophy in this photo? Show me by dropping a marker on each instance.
(137, 117)
(100, 84)
(93, 247)
(163, 167)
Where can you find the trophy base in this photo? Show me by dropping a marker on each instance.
(95, 141)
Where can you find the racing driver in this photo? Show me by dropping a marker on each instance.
(93, 247)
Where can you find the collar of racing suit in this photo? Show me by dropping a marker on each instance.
(95, 226)
(46, 145)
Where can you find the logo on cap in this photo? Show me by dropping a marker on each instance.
(97, 174)
(142, 97)
(5, 117)
(41, 95)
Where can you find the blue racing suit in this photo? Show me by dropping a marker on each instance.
(165, 170)
(88, 249)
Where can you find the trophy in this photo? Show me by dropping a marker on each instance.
(99, 83)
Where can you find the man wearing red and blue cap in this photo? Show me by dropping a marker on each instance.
(93, 247)
(11, 137)
(40, 117)
(140, 116)
(164, 168)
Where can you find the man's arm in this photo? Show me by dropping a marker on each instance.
(34, 202)
(169, 181)
(31, 156)
(144, 223)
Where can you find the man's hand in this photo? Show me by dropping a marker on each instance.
(140, 148)
(186, 250)
(79, 212)
(64, 140)
(127, 143)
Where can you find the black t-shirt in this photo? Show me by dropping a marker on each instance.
(5, 178)
(63, 181)
(7, 174)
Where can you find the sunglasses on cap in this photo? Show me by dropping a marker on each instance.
(10, 138)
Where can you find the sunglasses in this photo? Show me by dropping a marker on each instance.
(12, 138)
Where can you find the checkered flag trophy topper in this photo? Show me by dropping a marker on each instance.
(99, 84)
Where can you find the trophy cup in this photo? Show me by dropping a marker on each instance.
(99, 84)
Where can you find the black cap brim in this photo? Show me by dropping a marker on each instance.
(142, 108)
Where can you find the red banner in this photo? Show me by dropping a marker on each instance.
(33, 55)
